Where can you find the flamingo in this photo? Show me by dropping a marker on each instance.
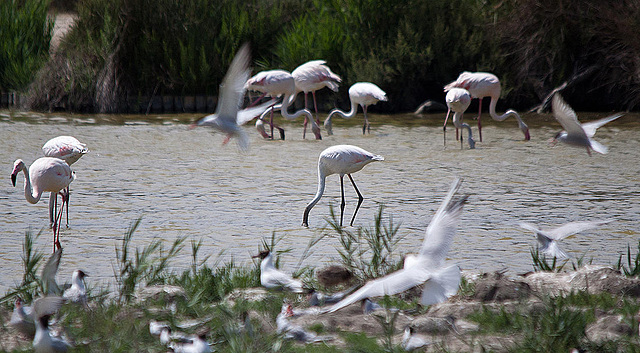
(428, 266)
(275, 83)
(458, 100)
(484, 84)
(360, 93)
(313, 76)
(228, 117)
(340, 159)
(45, 174)
(69, 149)
(577, 134)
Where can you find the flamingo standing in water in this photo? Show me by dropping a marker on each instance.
(340, 159)
(458, 100)
(361, 93)
(228, 117)
(484, 84)
(69, 149)
(275, 83)
(313, 76)
(45, 174)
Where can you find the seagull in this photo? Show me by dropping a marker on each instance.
(574, 133)
(272, 278)
(548, 239)
(441, 282)
(192, 344)
(156, 327)
(411, 341)
(22, 318)
(228, 117)
(295, 332)
(77, 292)
(43, 342)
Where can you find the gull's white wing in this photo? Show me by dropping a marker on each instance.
(573, 228)
(394, 283)
(275, 278)
(247, 114)
(440, 232)
(232, 87)
(591, 127)
(544, 240)
(566, 117)
(597, 146)
(442, 284)
(552, 249)
(46, 306)
(48, 276)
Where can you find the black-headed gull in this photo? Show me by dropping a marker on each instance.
(43, 342)
(411, 341)
(272, 278)
(549, 238)
(574, 133)
(77, 293)
(427, 266)
(22, 318)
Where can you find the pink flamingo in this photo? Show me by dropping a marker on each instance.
(360, 93)
(313, 76)
(45, 174)
(340, 159)
(69, 149)
(275, 83)
(484, 84)
(458, 100)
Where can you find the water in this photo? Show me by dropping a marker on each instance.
(184, 183)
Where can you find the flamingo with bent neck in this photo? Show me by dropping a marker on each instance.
(45, 174)
(458, 100)
(275, 83)
(484, 84)
(360, 93)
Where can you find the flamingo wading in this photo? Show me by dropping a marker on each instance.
(275, 83)
(340, 159)
(313, 76)
(363, 94)
(484, 84)
(458, 100)
(46, 174)
(69, 149)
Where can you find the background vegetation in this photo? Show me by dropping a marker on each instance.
(122, 49)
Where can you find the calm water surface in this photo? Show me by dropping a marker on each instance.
(184, 183)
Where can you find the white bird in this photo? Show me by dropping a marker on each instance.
(363, 94)
(484, 84)
(46, 174)
(272, 278)
(191, 344)
(340, 159)
(69, 149)
(411, 341)
(574, 133)
(313, 76)
(43, 342)
(22, 318)
(318, 299)
(458, 100)
(548, 239)
(295, 332)
(77, 293)
(156, 327)
(275, 83)
(441, 282)
(228, 117)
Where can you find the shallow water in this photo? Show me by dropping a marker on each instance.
(184, 183)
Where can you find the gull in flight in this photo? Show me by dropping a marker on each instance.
(428, 266)
(548, 239)
(43, 342)
(228, 117)
(272, 278)
(574, 133)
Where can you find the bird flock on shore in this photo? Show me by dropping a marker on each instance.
(52, 173)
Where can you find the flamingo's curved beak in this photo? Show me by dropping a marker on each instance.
(13, 178)
(527, 137)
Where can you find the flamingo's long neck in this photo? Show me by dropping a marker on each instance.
(349, 115)
(32, 196)
(508, 113)
(317, 197)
